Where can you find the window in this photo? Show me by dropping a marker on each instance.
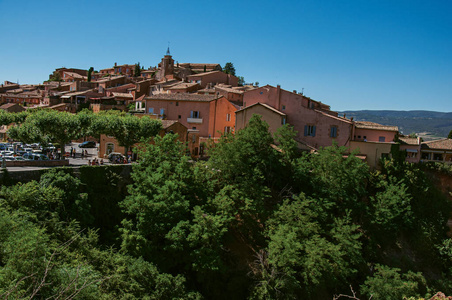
(194, 114)
(194, 128)
(162, 111)
(381, 139)
(228, 117)
(283, 121)
(151, 110)
(309, 130)
(177, 103)
(110, 148)
(179, 116)
(283, 107)
(227, 129)
(333, 131)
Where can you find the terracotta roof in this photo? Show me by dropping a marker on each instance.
(264, 105)
(376, 126)
(182, 85)
(182, 97)
(8, 105)
(58, 105)
(405, 140)
(75, 75)
(108, 78)
(168, 123)
(198, 66)
(442, 144)
(124, 86)
(69, 95)
(168, 82)
(204, 74)
(229, 89)
(124, 95)
(140, 98)
(206, 90)
(333, 117)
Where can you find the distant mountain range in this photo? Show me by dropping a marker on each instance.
(426, 124)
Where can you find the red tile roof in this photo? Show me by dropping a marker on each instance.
(405, 140)
(264, 105)
(372, 125)
(442, 144)
(182, 97)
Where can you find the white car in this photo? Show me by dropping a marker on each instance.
(34, 156)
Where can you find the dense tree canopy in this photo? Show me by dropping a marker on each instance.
(258, 220)
(45, 126)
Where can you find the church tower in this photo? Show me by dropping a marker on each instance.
(166, 66)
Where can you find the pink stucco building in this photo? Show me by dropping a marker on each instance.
(316, 125)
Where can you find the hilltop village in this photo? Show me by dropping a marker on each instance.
(202, 101)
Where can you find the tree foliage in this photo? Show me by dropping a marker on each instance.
(229, 68)
(258, 220)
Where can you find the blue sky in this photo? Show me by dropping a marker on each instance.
(352, 55)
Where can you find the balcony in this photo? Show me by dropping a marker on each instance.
(194, 120)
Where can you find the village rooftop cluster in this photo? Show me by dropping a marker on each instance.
(200, 102)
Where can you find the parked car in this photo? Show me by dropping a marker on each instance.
(34, 156)
(87, 144)
(115, 157)
(49, 146)
(13, 158)
(7, 153)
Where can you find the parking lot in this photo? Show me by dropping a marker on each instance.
(78, 160)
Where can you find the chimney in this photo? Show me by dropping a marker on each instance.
(116, 64)
(294, 91)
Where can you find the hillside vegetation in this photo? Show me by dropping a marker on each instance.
(427, 124)
(253, 222)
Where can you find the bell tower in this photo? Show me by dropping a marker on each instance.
(167, 65)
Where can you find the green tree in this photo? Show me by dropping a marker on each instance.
(310, 255)
(241, 81)
(128, 130)
(137, 71)
(48, 126)
(387, 283)
(229, 68)
(55, 77)
(90, 72)
(160, 199)
(450, 135)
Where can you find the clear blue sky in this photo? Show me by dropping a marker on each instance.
(351, 54)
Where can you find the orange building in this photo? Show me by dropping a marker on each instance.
(207, 114)
(109, 144)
